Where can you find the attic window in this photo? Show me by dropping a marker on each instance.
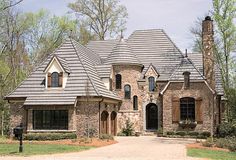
(186, 79)
(151, 81)
(55, 79)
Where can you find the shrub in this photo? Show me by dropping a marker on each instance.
(128, 130)
(208, 143)
(221, 143)
(205, 134)
(49, 136)
(181, 133)
(193, 134)
(226, 129)
(90, 132)
(231, 144)
(106, 136)
(170, 133)
(120, 134)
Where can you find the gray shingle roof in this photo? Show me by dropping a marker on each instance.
(104, 70)
(122, 54)
(82, 81)
(198, 62)
(186, 65)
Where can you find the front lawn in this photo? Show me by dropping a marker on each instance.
(36, 149)
(211, 154)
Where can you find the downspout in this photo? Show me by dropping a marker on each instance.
(212, 116)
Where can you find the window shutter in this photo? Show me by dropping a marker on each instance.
(60, 79)
(49, 80)
(175, 110)
(198, 110)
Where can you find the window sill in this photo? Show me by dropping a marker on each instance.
(46, 131)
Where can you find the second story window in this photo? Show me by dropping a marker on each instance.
(118, 81)
(55, 79)
(151, 82)
(127, 90)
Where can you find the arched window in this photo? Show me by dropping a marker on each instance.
(118, 81)
(151, 81)
(127, 90)
(187, 109)
(55, 79)
(186, 79)
(135, 102)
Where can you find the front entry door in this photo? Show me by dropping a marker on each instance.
(151, 117)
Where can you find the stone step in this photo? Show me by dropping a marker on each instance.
(149, 134)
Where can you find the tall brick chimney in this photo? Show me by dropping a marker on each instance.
(208, 51)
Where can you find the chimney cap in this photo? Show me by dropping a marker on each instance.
(207, 18)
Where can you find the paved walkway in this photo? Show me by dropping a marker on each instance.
(128, 148)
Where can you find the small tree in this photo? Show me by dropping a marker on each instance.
(128, 130)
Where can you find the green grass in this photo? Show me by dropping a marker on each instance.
(211, 154)
(38, 149)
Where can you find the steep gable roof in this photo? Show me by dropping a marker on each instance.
(186, 65)
(82, 81)
(63, 64)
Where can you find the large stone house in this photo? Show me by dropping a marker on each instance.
(145, 78)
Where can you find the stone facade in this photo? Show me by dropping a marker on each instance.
(197, 90)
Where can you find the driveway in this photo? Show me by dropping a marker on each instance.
(128, 148)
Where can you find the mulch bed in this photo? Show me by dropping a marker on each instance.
(200, 146)
(92, 142)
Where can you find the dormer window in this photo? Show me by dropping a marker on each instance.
(186, 79)
(55, 79)
(57, 72)
(151, 81)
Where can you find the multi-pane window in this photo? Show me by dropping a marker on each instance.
(127, 90)
(55, 79)
(118, 81)
(135, 102)
(187, 109)
(151, 81)
(50, 119)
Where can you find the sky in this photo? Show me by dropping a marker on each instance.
(176, 17)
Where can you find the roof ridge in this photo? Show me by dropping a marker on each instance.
(95, 88)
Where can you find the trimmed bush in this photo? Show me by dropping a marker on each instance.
(170, 133)
(181, 133)
(193, 134)
(120, 134)
(205, 134)
(49, 136)
(106, 137)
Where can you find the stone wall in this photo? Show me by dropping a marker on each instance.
(196, 90)
(17, 115)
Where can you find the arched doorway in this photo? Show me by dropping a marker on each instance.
(104, 122)
(151, 117)
(113, 123)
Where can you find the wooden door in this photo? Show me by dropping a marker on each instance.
(151, 117)
(113, 123)
(104, 122)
